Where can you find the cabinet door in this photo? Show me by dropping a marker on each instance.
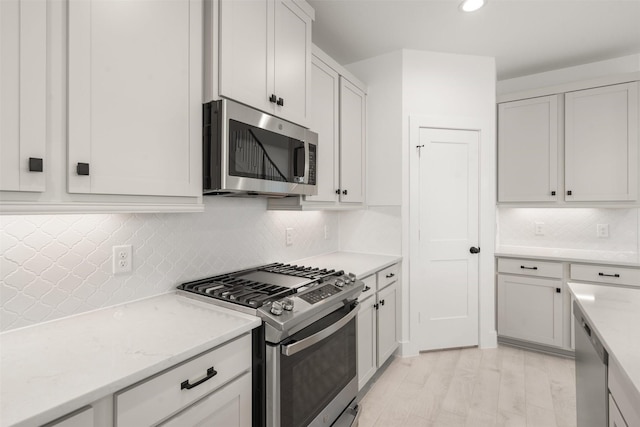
(325, 85)
(135, 97)
(615, 416)
(530, 309)
(528, 150)
(23, 68)
(601, 143)
(367, 363)
(292, 59)
(352, 142)
(387, 322)
(229, 407)
(246, 52)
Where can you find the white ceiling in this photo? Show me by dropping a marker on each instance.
(525, 36)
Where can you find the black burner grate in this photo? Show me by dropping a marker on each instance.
(251, 293)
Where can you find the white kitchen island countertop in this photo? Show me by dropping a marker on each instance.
(360, 264)
(53, 368)
(614, 313)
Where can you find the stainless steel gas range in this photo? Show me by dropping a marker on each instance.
(305, 360)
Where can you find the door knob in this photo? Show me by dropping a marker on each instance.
(474, 250)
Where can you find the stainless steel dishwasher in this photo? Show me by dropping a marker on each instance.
(591, 374)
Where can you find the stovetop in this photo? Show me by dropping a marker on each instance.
(257, 286)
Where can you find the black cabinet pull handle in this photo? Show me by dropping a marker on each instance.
(382, 302)
(609, 275)
(338, 191)
(35, 164)
(569, 193)
(280, 102)
(366, 288)
(210, 374)
(344, 192)
(376, 306)
(528, 268)
(553, 193)
(273, 98)
(474, 250)
(558, 290)
(82, 168)
(390, 275)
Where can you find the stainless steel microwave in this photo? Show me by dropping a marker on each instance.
(246, 151)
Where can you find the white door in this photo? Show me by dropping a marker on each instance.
(444, 226)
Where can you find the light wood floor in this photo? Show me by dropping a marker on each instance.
(472, 387)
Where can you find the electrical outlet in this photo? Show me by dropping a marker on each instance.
(289, 236)
(602, 230)
(122, 259)
(326, 232)
(539, 228)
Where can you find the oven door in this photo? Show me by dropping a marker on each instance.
(312, 375)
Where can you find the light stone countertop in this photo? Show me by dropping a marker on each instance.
(567, 255)
(53, 368)
(360, 264)
(614, 313)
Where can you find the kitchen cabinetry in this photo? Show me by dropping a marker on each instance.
(110, 140)
(615, 416)
(338, 117)
(377, 322)
(570, 147)
(601, 143)
(23, 73)
(265, 56)
(175, 390)
(530, 308)
(126, 136)
(623, 411)
(528, 150)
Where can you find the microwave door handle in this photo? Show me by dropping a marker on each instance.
(291, 349)
(306, 162)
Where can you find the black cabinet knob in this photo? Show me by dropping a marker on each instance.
(569, 193)
(344, 192)
(553, 193)
(273, 98)
(280, 102)
(82, 169)
(338, 191)
(474, 250)
(35, 164)
(558, 290)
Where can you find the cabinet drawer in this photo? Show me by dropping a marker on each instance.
(606, 274)
(387, 276)
(369, 282)
(530, 267)
(163, 395)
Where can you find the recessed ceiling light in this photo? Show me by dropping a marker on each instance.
(471, 5)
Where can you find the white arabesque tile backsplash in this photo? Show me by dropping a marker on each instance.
(572, 230)
(58, 265)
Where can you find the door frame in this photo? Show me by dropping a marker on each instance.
(487, 335)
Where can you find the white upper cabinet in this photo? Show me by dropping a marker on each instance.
(265, 56)
(325, 120)
(528, 150)
(135, 97)
(23, 91)
(601, 143)
(352, 142)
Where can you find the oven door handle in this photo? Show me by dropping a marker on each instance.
(291, 349)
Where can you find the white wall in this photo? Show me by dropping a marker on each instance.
(570, 233)
(443, 87)
(58, 265)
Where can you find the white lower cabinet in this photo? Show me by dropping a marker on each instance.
(229, 407)
(180, 390)
(615, 417)
(530, 301)
(623, 403)
(377, 323)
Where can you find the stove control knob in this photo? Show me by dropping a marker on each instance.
(352, 277)
(287, 304)
(339, 283)
(276, 308)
